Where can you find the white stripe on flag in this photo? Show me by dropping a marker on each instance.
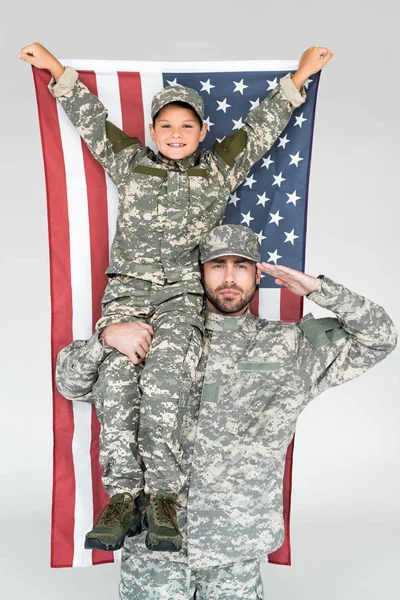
(78, 216)
(107, 66)
(269, 303)
(151, 84)
(108, 94)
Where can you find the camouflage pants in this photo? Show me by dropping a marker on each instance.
(146, 578)
(175, 314)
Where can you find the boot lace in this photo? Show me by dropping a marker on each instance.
(166, 511)
(113, 513)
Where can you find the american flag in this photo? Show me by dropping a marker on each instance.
(82, 209)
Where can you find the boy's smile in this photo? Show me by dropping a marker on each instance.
(177, 132)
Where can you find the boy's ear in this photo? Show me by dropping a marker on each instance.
(151, 129)
(203, 131)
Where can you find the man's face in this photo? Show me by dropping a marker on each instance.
(177, 132)
(230, 284)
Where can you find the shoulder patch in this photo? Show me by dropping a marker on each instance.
(321, 332)
(118, 139)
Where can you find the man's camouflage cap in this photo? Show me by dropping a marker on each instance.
(230, 240)
(177, 93)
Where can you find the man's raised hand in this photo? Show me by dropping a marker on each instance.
(297, 282)
(132, 339)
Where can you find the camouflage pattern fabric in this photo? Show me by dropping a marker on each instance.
(176, 93)
(143, 578)
(166, 206)
(253, 380)
(230, 240)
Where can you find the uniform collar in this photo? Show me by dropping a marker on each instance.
(216, 322)
(177, 165)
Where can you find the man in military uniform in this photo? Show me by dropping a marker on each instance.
(167, 202)
(253, 380)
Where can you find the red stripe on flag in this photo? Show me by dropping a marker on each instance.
(62, 527)
(291, 306)
(282, 556)
(130, 90)
(99, 257)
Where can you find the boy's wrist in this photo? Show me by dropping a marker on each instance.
(56, 69)
(299, 78)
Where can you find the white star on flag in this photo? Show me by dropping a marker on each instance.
(266, 162)
(300, 120)
(206, 86)
(263, 199)
(283, 141)
(307, 83)
(275, 218)
(173, 82)
(296, 158)
(219, 140)
(254, 103)
(272, 84)
(247, 218)
(209, 124)
(223, 105)
(240, 86)
(234, 199)
(273, 256)
(293, 198)
(278, 179)
(250, 181)
(290, 237)
(261, 237)
(238, 124)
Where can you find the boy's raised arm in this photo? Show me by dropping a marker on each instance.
(114, 149)
(241, 150)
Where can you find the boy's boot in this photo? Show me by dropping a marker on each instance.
(163, 532)
(119, 518)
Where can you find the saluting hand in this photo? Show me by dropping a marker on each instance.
(37, 55)
(297, 282)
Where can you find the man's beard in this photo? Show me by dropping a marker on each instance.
(229, 305)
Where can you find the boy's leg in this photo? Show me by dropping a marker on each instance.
(165, 383)
(117, 400)
(240, 580)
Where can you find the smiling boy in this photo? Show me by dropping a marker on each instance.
(167, 202)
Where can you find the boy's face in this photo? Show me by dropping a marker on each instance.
(177, 132)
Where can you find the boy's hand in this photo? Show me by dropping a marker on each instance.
(132, 339)
(297, 282)
(311, 62)
(35, 54)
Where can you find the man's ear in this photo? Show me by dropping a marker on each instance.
(258, 276)
(152, 134)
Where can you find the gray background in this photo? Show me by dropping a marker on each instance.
(345, 519)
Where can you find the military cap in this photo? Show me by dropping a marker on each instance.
(229, 240)
(177, 93)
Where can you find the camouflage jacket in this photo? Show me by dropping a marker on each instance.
(166, 206)
(254, 379)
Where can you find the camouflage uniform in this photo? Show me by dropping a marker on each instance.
(165, 207)
(253, 380)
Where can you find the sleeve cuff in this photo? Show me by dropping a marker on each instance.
(64, 84)
(295, 97)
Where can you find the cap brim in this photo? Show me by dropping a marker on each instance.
(226, 252)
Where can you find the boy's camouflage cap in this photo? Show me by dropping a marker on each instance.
(177, 93)
(230, 240)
